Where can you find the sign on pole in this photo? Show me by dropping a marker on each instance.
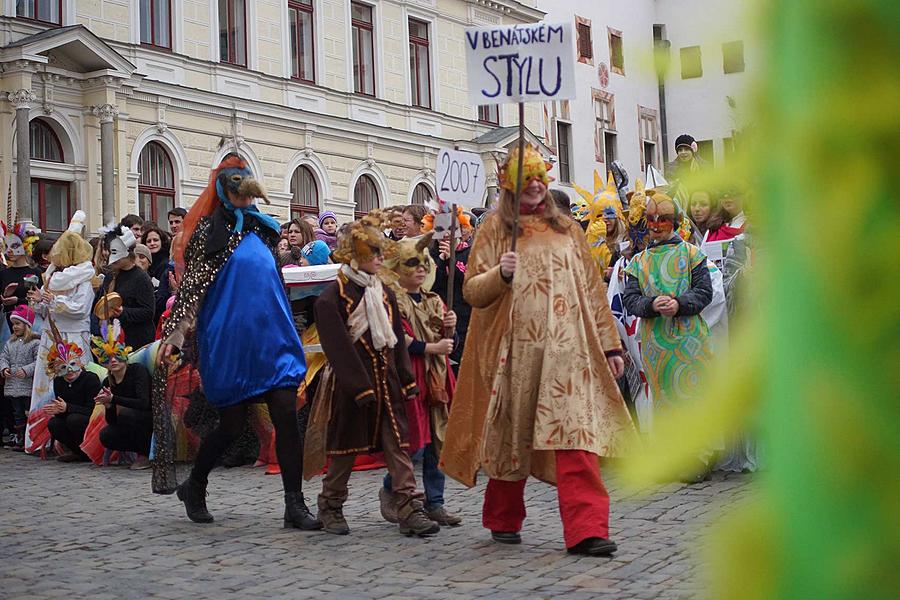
(460, 178)
(521, 63)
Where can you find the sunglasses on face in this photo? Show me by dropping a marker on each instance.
(661, 219)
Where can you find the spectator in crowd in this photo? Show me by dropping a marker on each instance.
(65, 300)
(397, 223)
(299, 234)
(327, 230)
(40, 254)
(70, 410)
(683, 172)
(135, 224)
(157, 241)
(412, 220)
(17, 362)
(142, 257)
(12, 279)
(176, 218)
(125, 395)
(135, 310)
(732, 201)
(283, 246)
(313, 220)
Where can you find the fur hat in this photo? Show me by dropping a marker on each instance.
(361, 239)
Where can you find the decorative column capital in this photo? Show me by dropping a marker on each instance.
(105, 112)
(21, 98)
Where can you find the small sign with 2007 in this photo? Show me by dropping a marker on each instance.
(460, 177)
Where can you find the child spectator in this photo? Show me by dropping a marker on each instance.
(327, 230)
(17, 362)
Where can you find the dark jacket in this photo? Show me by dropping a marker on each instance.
(462, 308)
(138, 304)
(159, 270)
(369, 385)
(78, 395)
(690, 303)
(131, 399)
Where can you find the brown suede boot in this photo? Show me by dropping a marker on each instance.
(331, 514)
(414, 521)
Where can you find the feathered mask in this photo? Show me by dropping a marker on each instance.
(63, 356)
(533, 167)
(20, 239)
(362, 239)
(110, 343)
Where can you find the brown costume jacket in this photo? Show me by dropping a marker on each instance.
(362, 373)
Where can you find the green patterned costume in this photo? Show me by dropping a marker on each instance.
(675, 350)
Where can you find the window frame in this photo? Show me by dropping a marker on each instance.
(41, 215)
(152, 14)
(356, 42)
(565, 166)
(153, 190)
(414, 44)
(581, 22)
(297, 209)
(648, 133)
(616, 34)
(428, 193)
(603, 126)
(358, 213)
(688, 50)
(38, 122)
(309, 9)
(487, 119)
(229, 21)
(726, 63)
(35, 19)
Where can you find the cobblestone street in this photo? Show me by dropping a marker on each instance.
(79, 531)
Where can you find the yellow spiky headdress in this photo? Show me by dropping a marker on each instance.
(110, 343)
(357, 243)
(533, 167)
(604, 201)
(637, 203)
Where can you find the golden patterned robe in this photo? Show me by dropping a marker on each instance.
(534, 376)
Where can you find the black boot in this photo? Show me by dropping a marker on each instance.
(193, 494)
(296, 513)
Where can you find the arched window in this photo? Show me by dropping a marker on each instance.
(365, 194)
(44, 143)
(422, 194)
(51, 201)
(304, 193)
(156, 186)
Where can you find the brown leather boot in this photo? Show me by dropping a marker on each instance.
(331, 514)
(414, 521)
(388, 505)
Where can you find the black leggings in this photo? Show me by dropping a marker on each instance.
(282, 408)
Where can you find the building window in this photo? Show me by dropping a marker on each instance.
(563, 142)
(705, 151)
(489, 113)
(156, 23)
(363, 33)
(605, 127)
(233, 32)
(45, 11)
(304, 193)
(584, 41)
(733, 57)
(649, 133)
(44, 142)
(51, 204)
(616, 52)
(422, 194)
(365, 194)
(303, 53)
(418, 64)
(156, 186)
(691, 65)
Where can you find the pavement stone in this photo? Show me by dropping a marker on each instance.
(107, 536)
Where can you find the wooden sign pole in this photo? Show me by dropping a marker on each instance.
(518, 198)
(451, 273)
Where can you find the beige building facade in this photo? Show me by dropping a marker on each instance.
(336, 104)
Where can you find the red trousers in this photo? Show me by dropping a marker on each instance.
(583, 499)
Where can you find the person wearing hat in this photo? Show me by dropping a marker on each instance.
(245, 345)
(127, 294)
(683, 172)
(327, 230)
(142, 257)
(17, 362)
(65, 299)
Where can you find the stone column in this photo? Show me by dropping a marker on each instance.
(22, 100)
(107, 114)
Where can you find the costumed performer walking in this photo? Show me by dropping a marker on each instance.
(248, 351)
(536, 394)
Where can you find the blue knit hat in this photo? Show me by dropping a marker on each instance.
(316, 253)
(325, 215)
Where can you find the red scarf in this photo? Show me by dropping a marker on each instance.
(532, 210)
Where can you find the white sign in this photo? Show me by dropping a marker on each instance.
(521, 63)
(460, 178)
(442, 223)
